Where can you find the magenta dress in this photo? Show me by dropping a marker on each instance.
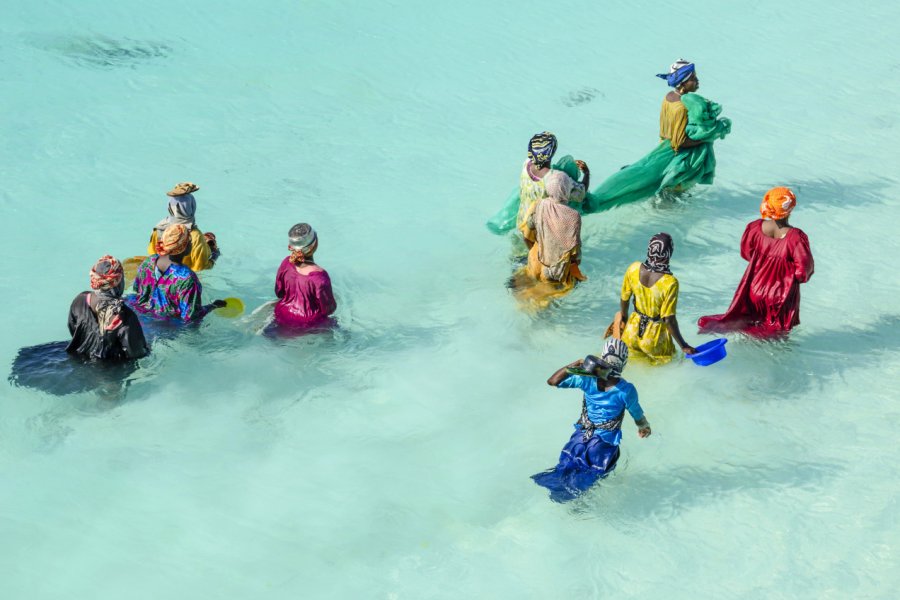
(303, 300)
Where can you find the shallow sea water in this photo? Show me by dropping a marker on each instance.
(391, 458)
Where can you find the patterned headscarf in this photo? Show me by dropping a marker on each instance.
(182, 207)
(778, 203)
(106, 274)
(183, 188)
(107, 281)
(541, 149)
(558, 185)
(659, 251)
(615, 354)
(302, 242)
(678, 73)
(175, 240)
(557, 225)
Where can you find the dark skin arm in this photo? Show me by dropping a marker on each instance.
(561, 374)
(672, 324)
(586, 172)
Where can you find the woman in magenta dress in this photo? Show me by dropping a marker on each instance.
(303, 288)
(767, 301)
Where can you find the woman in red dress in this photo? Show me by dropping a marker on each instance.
(767, 301)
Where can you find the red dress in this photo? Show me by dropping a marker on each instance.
(767, 300)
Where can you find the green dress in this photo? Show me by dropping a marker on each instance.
(667, 166)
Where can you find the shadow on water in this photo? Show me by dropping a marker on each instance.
(49, 368)
(685, 488)
(581, 96)
(102, 52)
(817, 356)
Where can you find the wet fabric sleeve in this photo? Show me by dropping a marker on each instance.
(632, 404)
(703, 122)
(279, 282)
(670, 300)
(73, 320)
(190, 305)
(627, 293)
(131, 335)
(325, 295)
(573, 381)
(748, 241)
(201, 253)
(802, 258)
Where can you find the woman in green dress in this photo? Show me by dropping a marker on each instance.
(688, 125)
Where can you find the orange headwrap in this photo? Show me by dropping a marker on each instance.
(174, 240)
(777, 203)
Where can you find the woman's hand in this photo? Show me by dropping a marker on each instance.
(575, 364)
(582, 166)
(688, 350)
(644, 432)
(219, 304)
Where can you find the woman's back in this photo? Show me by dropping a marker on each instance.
(124, 341)
(304, 292)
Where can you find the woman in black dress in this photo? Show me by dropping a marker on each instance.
(102, 326)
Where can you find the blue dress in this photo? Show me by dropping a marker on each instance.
(593, 450)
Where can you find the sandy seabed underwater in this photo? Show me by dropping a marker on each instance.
(391, 458)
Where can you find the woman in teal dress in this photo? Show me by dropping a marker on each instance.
(688, 125)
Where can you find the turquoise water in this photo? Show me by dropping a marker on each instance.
(391, 459)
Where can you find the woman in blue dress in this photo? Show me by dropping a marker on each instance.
(593, 450)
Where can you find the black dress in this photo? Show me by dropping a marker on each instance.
(125, 342)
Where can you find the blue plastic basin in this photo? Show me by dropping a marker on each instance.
(710, 352)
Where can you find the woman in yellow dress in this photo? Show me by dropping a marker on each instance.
(182, 206)
(652, 326)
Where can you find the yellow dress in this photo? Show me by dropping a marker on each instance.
(656, 302)
(200, 257)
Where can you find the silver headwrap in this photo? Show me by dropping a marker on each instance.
(301, 237)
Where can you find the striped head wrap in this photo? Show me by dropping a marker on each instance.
(680, 71)
(541, 149)
(302, 242)
(659, 251)
(175, 240)
(777, 203)
(615, 354)
(106, 274)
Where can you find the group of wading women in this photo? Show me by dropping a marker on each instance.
(104, 323)
(547, 209)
